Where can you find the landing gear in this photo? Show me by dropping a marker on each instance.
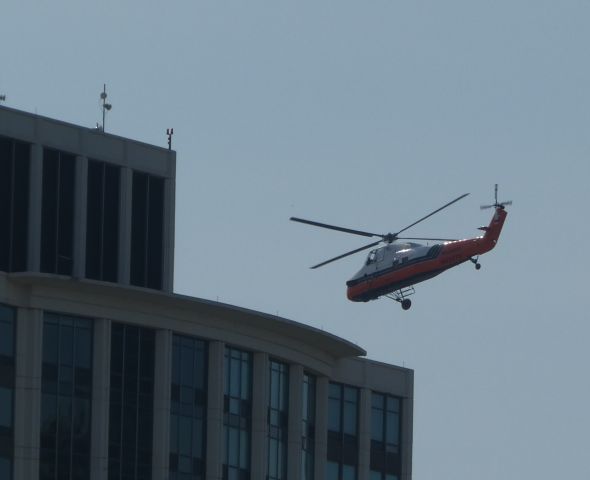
(475, 261)
(400, 296)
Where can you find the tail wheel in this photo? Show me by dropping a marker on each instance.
(406, 303)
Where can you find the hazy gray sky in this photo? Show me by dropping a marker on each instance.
(367, 115)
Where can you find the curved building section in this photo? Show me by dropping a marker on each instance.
(108, 374)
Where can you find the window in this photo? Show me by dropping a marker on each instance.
(342, 432)
(237, 414)
(102, 221)
(14, 204)
(57, 222)
(308, 427)
(188, 409)
(131, 403)
(372, 257)
(278, 415)
(385, 436)
(382, 476)
(147, 231)
(7, 380)
(66, 398)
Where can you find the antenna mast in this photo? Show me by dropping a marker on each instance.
(169, 132)
(105, 106)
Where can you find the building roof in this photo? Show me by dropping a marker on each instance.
(104, 295)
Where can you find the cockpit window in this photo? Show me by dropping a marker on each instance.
(372, 258)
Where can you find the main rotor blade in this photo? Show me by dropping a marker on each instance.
(333, 227)
(432, 213)
(346, 254)
(423, 238)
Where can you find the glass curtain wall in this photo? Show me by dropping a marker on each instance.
(188, 408)
(343, 402)
(147, 231)
(237, 418)
(102, 221)
(66, 398)
(14, 204)
(131, 403)
(308, 427)
(278, 417)
(385, 437)
(57, 222)
(7, 378)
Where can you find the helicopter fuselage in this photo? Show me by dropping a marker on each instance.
(399, 265)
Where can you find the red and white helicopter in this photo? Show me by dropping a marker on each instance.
(393, 269)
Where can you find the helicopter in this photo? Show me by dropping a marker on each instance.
(393, 269)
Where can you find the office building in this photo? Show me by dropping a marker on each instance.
(106, 373)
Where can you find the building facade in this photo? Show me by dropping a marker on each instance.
(106, 373)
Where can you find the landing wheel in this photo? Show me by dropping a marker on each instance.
(477, 266)
(406, 304)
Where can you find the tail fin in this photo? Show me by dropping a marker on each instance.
(495, 227)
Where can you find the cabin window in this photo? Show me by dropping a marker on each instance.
(372, 258)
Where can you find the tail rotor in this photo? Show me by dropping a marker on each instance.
(496, 204)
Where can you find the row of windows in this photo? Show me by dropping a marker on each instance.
(58, 210)
(66, 409)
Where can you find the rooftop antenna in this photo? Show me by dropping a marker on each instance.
(169, 132)
(105, 106)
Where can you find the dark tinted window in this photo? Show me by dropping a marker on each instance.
(147, 230)
(188, 409)
(278, 414)
(385, 436)
(57, 227)
(102, 223)
(237, 416)
(343, 403)
(131, 403)
(66, 398)
(14, 204)
(308, 427)
(7, 381)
